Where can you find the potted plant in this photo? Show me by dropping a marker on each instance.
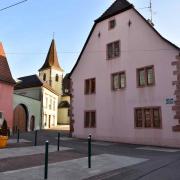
(4, 133)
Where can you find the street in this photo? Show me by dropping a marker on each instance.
(113, 161)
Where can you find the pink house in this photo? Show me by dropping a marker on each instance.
(6, 90)
(126, 83)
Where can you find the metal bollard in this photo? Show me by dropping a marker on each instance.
(35, 138)
(89, 151)
(58, 143)
(18, 135)
(46, 160)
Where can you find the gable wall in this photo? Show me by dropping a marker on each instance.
(34, 92)
(140, 46)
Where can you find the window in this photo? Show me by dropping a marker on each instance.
(44, 77)
(118, 81)
(46, 102)
(45, 119)
(54, 105)
(90, 86)
(113, 50)
(90, 119)
(57, 78)
(112, 24)
(50, 104)
(149, 117)
(145, 76)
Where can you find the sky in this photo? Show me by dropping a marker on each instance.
(26, 30)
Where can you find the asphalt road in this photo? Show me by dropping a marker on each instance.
(161, 165)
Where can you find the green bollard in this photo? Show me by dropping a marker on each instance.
(35, 138)
(58, 143)
(89, 151)
(46, 160)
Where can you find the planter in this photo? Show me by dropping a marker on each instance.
(3, 141)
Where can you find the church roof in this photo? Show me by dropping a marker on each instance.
(52, 58)
(28, 81)
(5, 73)
(32, 81)
(117, 7)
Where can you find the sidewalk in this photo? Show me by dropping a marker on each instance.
(76, 169)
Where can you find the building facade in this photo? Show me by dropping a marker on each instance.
(32, 109)
(47, 88)
(43, 99)
(52, 74)
(6, 90)
(125, 82)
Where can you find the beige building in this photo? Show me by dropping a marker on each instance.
(32, 109)
(32, 87)
(49, 90)
(52, 74)
(64, 105)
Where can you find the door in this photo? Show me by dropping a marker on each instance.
(20, 119)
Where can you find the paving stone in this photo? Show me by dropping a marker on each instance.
(74, 169)
(25, 151)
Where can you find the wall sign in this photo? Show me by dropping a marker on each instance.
(169, 101)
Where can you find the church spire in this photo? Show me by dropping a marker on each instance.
(52, 58)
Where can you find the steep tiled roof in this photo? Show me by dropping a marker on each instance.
(52, 58)
(117, 7)
(5, 73)
(32, 81)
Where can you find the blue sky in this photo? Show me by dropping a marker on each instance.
(27, 30)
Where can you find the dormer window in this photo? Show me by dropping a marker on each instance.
(57, 77)
(112, 24)
(44, 77)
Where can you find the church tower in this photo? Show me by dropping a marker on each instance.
(51, 72)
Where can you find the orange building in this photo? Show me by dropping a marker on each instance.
(6, 90)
